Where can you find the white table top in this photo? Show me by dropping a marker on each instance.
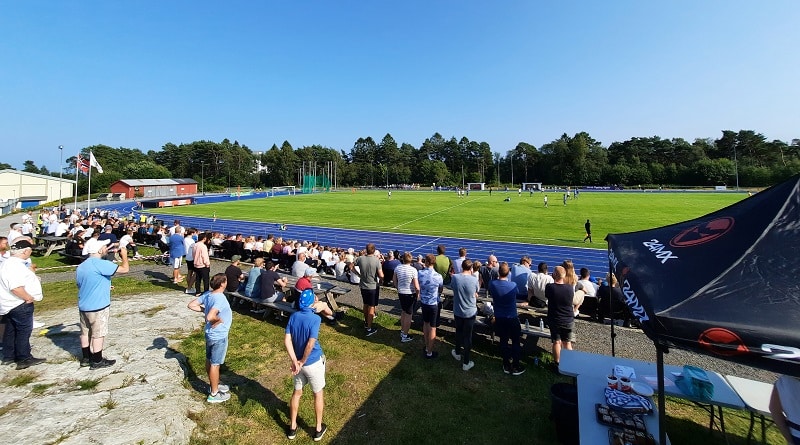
(754, 394)
(591, 391)
(575, 363)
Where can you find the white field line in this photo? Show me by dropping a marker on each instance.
(431, 214)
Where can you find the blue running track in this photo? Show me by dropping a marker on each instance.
(594, 259)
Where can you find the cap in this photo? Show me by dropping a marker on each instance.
(310, 272)
(94, 245)
(236, 258)
(21, 244)
(306, 299)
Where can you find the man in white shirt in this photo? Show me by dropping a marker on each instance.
(536, 284)
(13, 233)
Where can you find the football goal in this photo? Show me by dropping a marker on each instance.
(535, 186)
(283, 190)
(476, 185)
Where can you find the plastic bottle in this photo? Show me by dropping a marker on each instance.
(527, 325)
(541, 323)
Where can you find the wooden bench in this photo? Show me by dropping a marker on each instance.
(280, 307)
(71, 258)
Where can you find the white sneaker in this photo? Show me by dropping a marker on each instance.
(455, 356)
(223, 388)
(37, 324)
(190, 291)
(468, 366)
(405, 338)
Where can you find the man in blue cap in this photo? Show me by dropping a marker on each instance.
(307, 362)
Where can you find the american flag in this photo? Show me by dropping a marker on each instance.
(82, 164)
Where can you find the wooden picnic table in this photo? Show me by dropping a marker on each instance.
(50, 243)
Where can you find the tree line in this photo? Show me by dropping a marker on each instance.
(744, 158)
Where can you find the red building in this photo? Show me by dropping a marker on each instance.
(154, 188)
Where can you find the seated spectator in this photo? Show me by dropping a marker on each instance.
(488, 273)
(589, 306)
(272, 283)
(519, 276)
(340, 269)
(536, 285)
(252, 287)
(388, 266)
(126, 242)
(304, 282)
(234, 275)
(299, 267)
(611, 302)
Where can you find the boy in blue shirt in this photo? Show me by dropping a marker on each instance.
(219, 317)
(308, 362)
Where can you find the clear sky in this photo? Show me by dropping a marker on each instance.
(139, 74)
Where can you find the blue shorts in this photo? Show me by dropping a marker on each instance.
(216, 350)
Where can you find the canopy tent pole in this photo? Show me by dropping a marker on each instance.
(662, 432)
(610, 305)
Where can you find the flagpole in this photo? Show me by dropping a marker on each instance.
(89, 193)
(77, 172)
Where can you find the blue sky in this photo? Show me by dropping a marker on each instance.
(139, 74)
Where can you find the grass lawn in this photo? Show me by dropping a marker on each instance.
(381, 391)
(479, 216)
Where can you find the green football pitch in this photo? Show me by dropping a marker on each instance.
(523, 218)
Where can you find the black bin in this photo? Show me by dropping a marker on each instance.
(564, 412)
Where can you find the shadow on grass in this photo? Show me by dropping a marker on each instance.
(423, 400)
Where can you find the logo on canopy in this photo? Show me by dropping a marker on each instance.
(722, 342)
(703, 233)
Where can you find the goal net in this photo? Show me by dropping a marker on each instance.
(283, 190)
(535, 186)
(476, 185)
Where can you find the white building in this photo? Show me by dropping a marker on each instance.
(19, 189)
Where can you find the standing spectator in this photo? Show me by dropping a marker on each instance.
(545, 200)
(462, 255)
(389, 265)
(519, 275)
(784, 405)
(202, 263)
(572, 279)
(189, 239)
(219, 318)
(368, 268)
(307, 363)
(588, 227)
(176, 252)
(176, 226)
(443, 266)
(19, 288)
(560, 317)
(406, 280)
(430, 282)
(506, 324)
(93, 278)
(13, 233)
(536, 286)
(465, 298)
